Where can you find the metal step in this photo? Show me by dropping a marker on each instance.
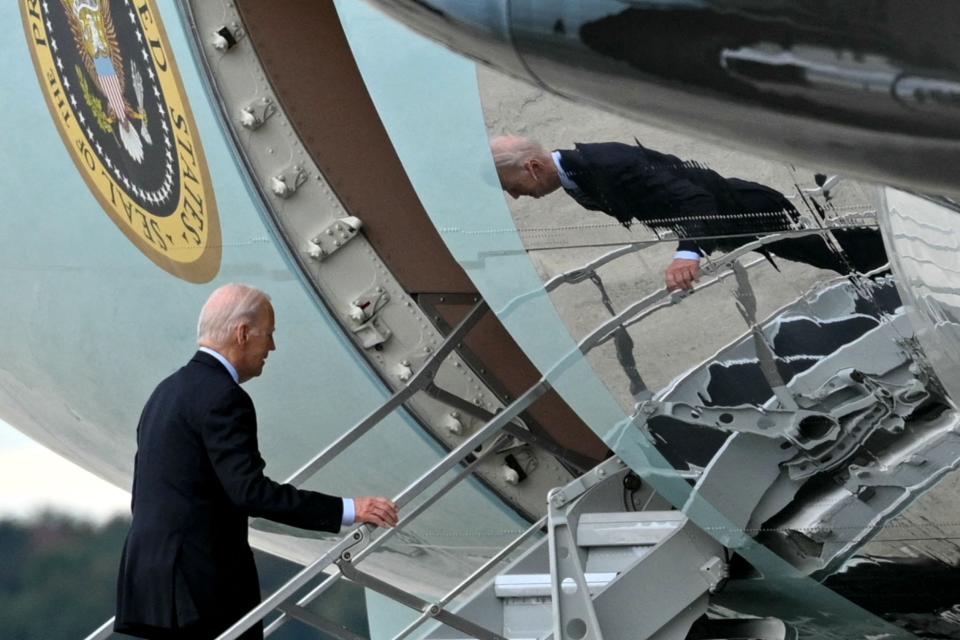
(630, 528)
(537, 585)
(641, 574)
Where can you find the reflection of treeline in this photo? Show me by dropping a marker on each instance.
(58, 579)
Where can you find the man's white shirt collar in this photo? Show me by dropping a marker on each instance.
(226, 363)
(565, 180)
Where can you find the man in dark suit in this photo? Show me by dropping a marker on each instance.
(187, 571)
(631, 182)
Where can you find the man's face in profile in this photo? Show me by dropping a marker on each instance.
(259, 343)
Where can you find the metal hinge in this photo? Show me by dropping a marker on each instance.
(335, 236)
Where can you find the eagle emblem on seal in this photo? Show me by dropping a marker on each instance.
(95, 37)
(108, 75)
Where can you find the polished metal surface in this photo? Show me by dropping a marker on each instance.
(483, 238)
(924, 234)
(870, 88)
(481, 30)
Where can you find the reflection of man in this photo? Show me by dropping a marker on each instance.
(187, 570)
(635, 183)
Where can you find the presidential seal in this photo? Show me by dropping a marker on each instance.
(109, 78)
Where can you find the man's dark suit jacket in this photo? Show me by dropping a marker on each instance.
(635, 183)
(187, 569)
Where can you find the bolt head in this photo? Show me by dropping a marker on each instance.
(632, 482)
(356, 314)
(249, 119)
(278, 184)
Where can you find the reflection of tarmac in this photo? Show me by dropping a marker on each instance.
(681, 337)
(798, 343)
(803, 336)
(677, 338)
(902, 586)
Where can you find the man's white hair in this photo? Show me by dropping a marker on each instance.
(226, 309)
(513, 151)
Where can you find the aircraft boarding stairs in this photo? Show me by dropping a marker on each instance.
(605, 572)
(616, 561)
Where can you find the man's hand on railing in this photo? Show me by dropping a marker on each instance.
(375, 510)
(682, 274)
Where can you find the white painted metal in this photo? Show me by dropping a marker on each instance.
(308, 214)
(537, 585)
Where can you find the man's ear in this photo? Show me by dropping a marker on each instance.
(534, 167)
(243, 334)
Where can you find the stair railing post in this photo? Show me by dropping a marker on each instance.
(573, 614)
